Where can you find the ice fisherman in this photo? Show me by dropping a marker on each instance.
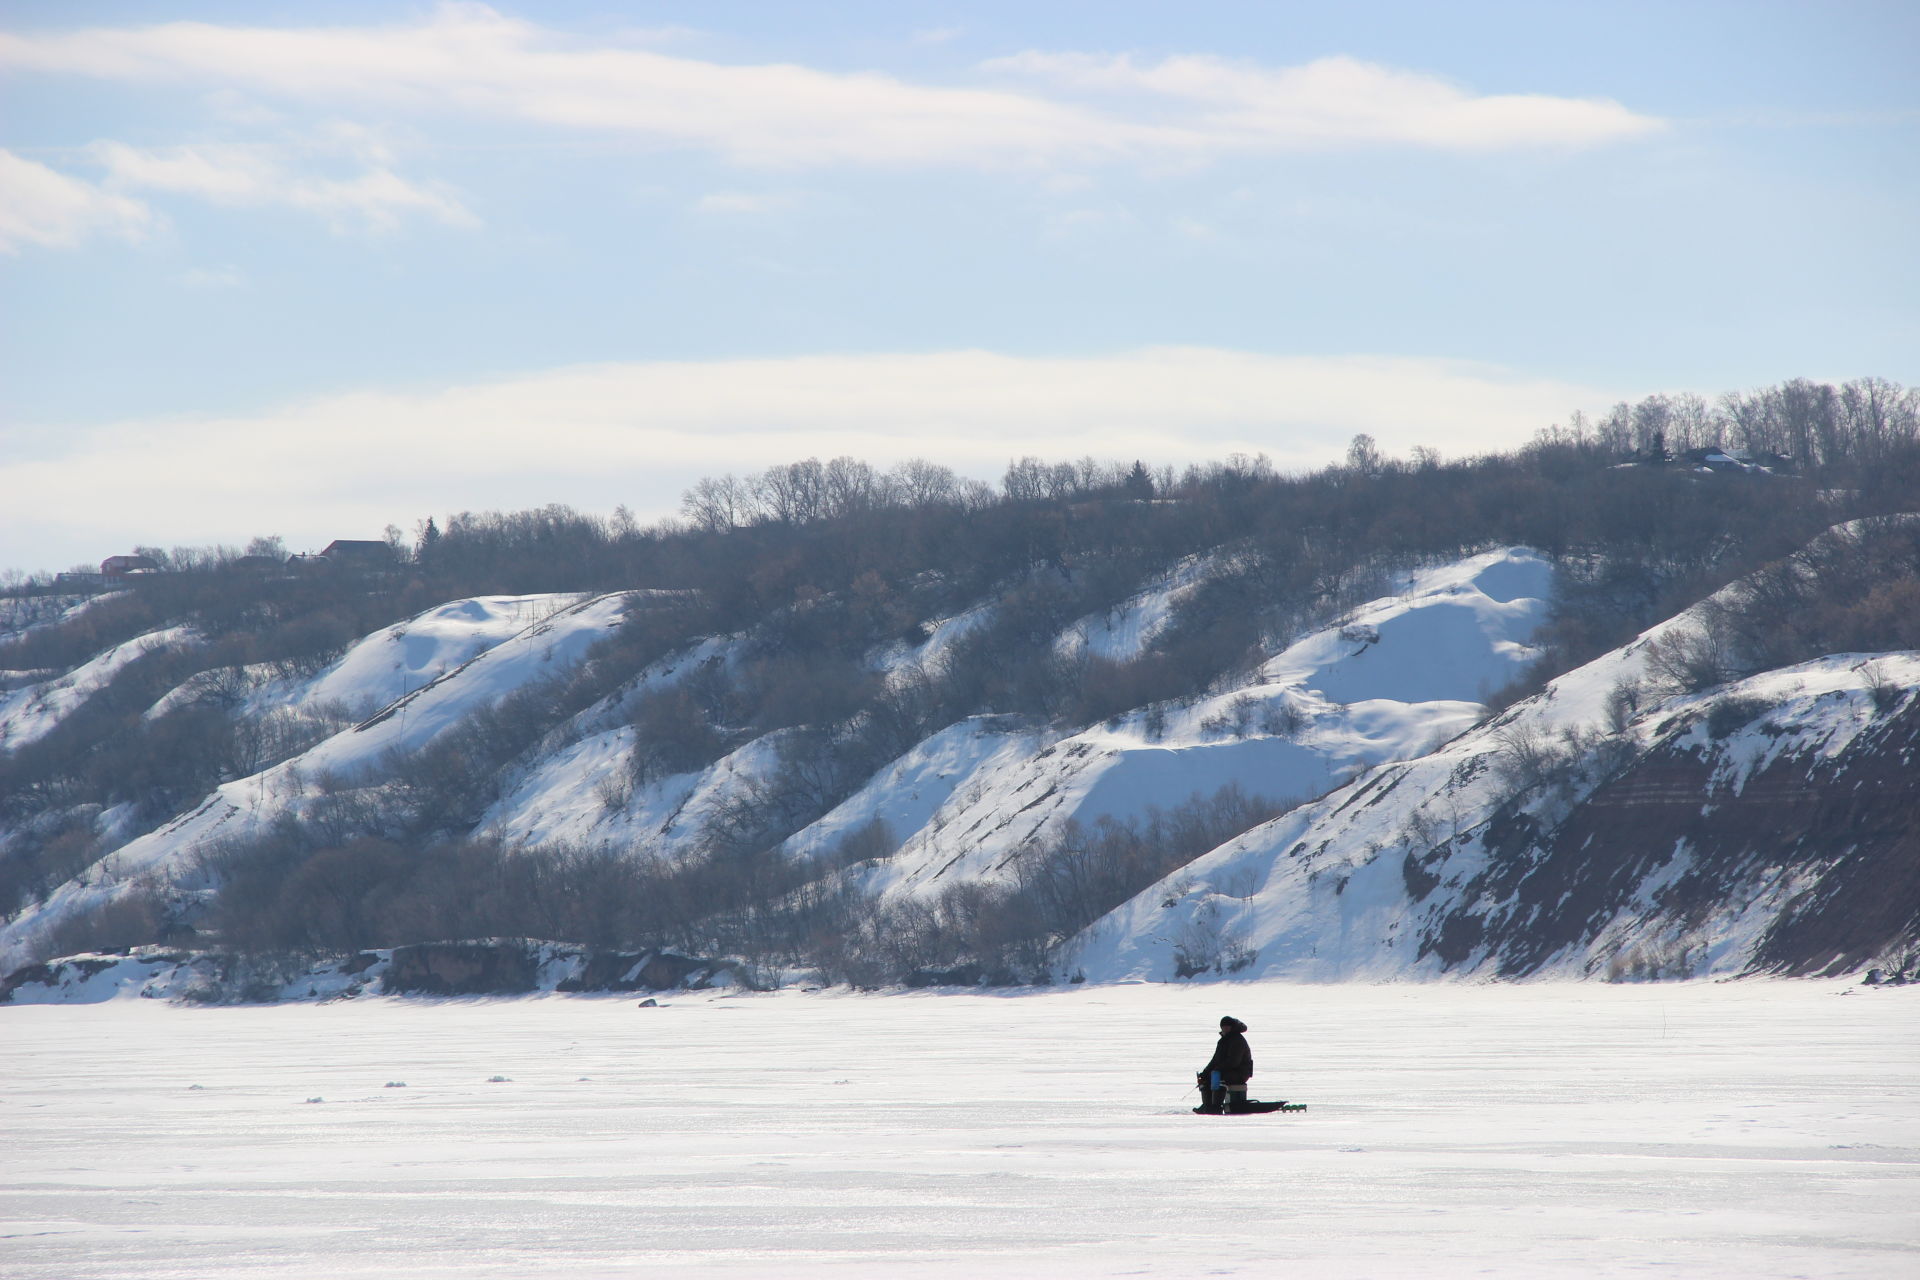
(1223, 1081)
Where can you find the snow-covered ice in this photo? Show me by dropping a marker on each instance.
(1707, 1129)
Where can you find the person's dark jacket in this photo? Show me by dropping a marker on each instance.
(1232, 1057)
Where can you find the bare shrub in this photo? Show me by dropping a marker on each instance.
(264, 740)
(1079, 874)
(969, 934)
(1204, 945)
(133, 918)
(1607, 755)
(672, 735)
(1623, 704)
(1235, 718)
(1422, 829)
(1527, 757)
(1243, 883)
(871, 841)
(1691, 659)
(1730, 714)
(1885, 691)
(1668, 961)
(341, 813)
(45, 854)
(1008, 932)
(1283, 718)
(614, 791)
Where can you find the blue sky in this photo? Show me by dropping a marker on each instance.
(310, 268)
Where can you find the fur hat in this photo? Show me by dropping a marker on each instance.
(1232, 1024)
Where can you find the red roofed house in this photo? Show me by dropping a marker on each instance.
(120, 568)
(358, 553)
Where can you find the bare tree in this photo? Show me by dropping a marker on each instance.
(793, 493)
(1363, 455)
(920, 483)
(717, 505)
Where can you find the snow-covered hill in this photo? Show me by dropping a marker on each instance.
(1389, 684)
(32, 710)
(1392, 681)
(1769, 823)
(393, 662)
(425, 676)
(1605, 826)
(1402, 674)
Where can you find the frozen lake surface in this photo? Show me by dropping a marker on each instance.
(1736, 1130)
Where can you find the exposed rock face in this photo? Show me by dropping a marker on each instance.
(638, 971)
(461, 969)
(1770, 825)
(75, 968)
(1841, 829)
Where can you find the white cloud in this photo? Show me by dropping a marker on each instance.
(638, 433)
(230, 106)
(254, 176)
(1337, 101)
(42, 206)
(468, 58)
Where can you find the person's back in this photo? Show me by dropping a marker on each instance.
(1223, 1080)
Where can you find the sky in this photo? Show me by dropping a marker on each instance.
(310, 269)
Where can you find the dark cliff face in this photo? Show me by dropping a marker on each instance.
(481, 967)
(1838, 834)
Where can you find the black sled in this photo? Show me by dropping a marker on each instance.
(1235, 1102)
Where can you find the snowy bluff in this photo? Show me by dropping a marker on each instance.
(1786, 845)
(1337, 801)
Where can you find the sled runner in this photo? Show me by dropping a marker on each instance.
(1251, 1108)
(1232, 1100)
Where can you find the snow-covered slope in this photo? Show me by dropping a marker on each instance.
(1323, 708)
(963, 800)
(1713, 832)
(582, 795)
(20, 615)
(32, 711)
(1125, 632)
(392, 662)
(1603, 826)
(1455, 633)
(468, 656)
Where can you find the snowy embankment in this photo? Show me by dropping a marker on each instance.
(481, 967)
(1605, 827)
(1397, 677)
(440, 667)
(21, 615)
(1716, 1131)
(1401, 675)
(1523, 847)
(960, 802)
(392, 662)
(31, 711)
